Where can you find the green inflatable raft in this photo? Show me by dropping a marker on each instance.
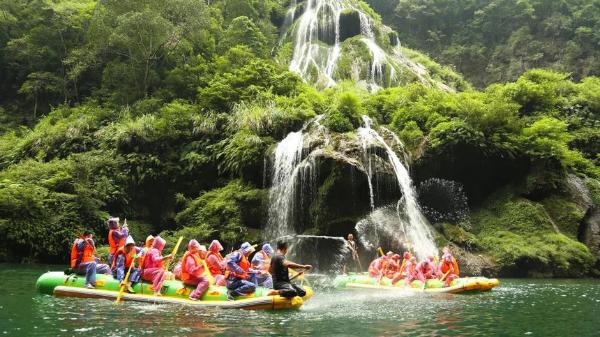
(174, 292)
(460, 285)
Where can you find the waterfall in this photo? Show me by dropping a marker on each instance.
(320, 17)
(288, 156)
(411, 221)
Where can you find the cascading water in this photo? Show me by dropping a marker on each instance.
(319, 40)
(412, 223)
(320, 18)
(283, 190)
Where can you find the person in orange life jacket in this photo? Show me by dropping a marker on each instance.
(116, 237)
(280, 272)
(153, 270)
(450, 266)
(84, 262)
(192, 269)
(261, 262)
(123, 259)
(216, 263)
(426, 269)
(238, 281)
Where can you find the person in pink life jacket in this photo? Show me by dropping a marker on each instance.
(216, 263)
(192, 269)
(153, 270)
(261, 262)
(410, 271)
(378, 266)
(426, 269)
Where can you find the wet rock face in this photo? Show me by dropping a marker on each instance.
(349, 24)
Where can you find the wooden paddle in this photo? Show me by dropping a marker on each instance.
(445, 275)
(211, 279)
(125, 280)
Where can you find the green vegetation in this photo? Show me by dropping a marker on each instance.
(497, 40)
(171, 128)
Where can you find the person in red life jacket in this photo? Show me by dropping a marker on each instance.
(124, 257)
(426, 269)
(238, 266)
(282, 284)
(153, 270)
(261, 263)
(84, 262)
(216, 262)
(116, 237)
(450, 266)
(192, 269)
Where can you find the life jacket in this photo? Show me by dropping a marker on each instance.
(78, 257)
(445, 266)
(128, 258)
(244, 264)
(185, 274)
(391, 269)
(215, 269)
(266, 261)
(142, 255)
(114, 245)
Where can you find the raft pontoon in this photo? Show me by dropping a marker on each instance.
(460, 285)
(174, 292)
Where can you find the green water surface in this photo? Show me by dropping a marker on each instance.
(516, 308)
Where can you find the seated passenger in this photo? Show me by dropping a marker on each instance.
(153, 270)
(216, 263)
(83, 261)
(448, 267)
(192, 269)
(238, 266)
(261, 263)
(426, 269)
(377, 266)
(116, 237)
(280, 272)
(410, 271)
(123, 259)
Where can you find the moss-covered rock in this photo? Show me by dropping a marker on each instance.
(520, 235)
(566, 215)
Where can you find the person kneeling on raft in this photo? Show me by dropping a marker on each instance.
(280, 272)
(193, 271)
(426, 269)
(153, 270)
(83, 261)
(122, 260)
(449, 267)
(238, 268)
(261, 263)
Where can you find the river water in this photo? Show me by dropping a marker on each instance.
(516, 308)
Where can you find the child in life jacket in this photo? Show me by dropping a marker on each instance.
(238, 266)
(123, 259)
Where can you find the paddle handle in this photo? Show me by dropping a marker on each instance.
(175, 249)
(445, 275)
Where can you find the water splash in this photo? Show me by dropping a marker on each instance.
(325, 253)
(412, 223)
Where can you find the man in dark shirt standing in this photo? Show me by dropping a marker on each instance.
(279, 271)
